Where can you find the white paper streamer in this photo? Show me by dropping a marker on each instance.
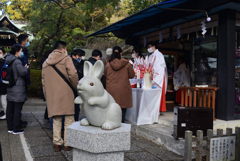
(203, 27)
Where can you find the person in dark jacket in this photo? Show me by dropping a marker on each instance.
(96, 55)
(3, 87)
(23, 42)
(80, 59)
(77, 58)
(16, 95)
(76, 55)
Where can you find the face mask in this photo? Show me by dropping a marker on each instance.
(21, 55)
(150, 50)
(1, 56)
(66, 52)
(133, 55)
(78, 59)
(27, 44)
(83, 57)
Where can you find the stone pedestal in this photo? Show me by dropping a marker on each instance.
(94, 144)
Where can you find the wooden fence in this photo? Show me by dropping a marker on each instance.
(199, 97)
(189, 139)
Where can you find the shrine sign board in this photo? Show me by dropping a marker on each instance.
(222, 148)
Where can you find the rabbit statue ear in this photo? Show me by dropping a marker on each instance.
(87, 70)
(98, 69)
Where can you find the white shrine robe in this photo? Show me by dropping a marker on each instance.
(159, 70)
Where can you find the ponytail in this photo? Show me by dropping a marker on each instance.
(116, 53)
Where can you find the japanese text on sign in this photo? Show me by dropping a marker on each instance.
(222, 148)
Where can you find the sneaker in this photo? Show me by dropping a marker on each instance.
(2, 113)
(10, 131)
(3, 117)
(18, 132)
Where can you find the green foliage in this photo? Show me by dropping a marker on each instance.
(36, 65)
(3, 4)
(133, 6)
(67, 20)
(34, 90)
(70, 20)
(7, 50)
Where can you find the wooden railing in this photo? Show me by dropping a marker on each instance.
(204, 96)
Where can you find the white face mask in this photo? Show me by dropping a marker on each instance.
(1, 56)
(133, 55)
(150, 50)
(83, 57)
(66, 52)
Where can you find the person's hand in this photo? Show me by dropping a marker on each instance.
(27, 66)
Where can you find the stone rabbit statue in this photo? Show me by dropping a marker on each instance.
(99, 106)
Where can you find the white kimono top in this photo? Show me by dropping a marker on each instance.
(181, 77)
(159, 70)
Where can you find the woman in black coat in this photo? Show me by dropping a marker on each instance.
(16, 95)
(3, 87)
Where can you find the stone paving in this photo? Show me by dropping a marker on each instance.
(38, 136)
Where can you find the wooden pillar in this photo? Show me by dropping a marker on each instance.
(226, 65)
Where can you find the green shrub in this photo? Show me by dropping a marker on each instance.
(35, 65)
(34, 90)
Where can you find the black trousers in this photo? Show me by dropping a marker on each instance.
(123, 114)
(13, 114)
(77, 111)
(46, 114)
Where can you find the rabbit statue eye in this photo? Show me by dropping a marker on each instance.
(91, 84)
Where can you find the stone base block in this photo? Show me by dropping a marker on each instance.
(95, 140)
(87, 156)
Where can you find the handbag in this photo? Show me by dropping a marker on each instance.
(66, 80)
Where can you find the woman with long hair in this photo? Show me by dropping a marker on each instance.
(118, 72)
(16, 95)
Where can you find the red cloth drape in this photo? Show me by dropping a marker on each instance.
(163, 98)
(178, 96)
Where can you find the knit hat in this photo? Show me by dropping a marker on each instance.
(109, 51)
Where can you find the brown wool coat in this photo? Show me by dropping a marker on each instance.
(118, 72)
(58, 94)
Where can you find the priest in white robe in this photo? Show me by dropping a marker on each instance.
(160, 75)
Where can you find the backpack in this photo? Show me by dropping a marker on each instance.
(7, 76)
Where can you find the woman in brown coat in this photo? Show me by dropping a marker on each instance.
(118, 72)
